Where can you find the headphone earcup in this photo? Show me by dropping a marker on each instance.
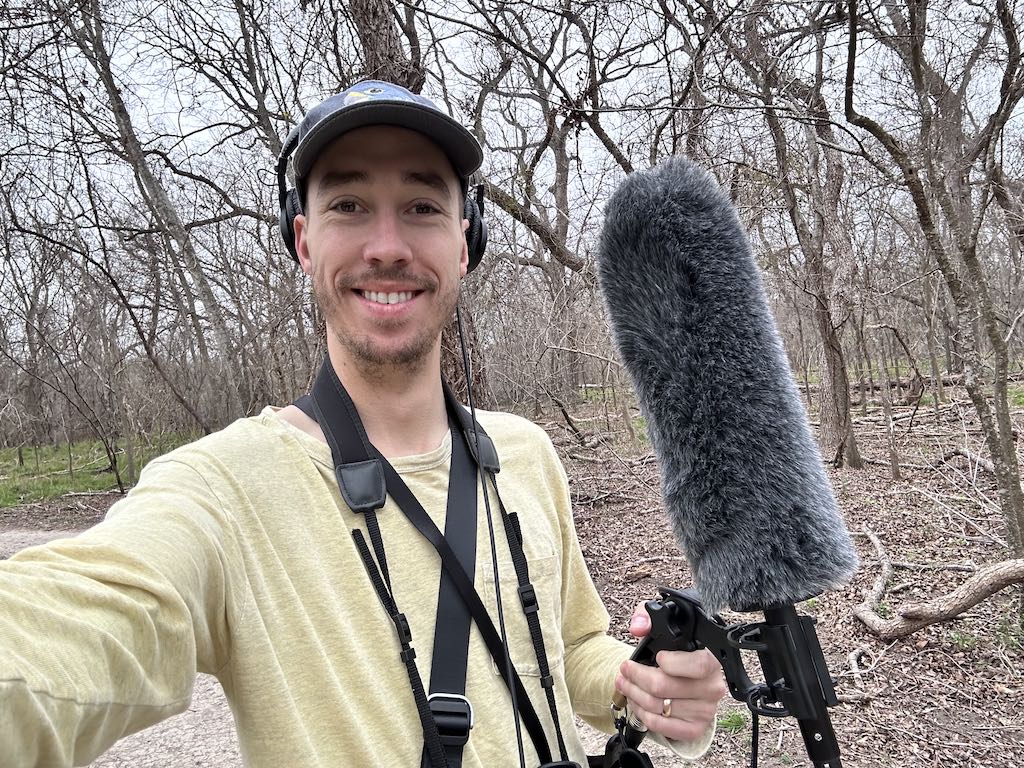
(286, 220)
(476, 233)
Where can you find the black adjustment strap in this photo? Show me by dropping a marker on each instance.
(528, 598)
(431, 737)
(422, 522)
(453, 715)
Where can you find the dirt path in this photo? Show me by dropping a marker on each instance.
(202, 736)
(18, 538)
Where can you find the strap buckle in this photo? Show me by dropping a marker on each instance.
(453, 714)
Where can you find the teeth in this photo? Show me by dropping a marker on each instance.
(387, 298)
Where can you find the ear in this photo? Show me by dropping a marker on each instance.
(464, 255)
(301, 245)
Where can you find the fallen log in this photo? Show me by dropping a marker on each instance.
(913, 616)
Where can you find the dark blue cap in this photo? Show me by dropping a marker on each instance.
(375, 102)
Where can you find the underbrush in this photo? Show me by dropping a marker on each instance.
(47, 472)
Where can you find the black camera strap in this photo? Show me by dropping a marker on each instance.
(365, 478)
(450, 659)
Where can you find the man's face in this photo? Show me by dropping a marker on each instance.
(383, 238)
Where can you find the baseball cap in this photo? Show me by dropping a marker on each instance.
(376, 102)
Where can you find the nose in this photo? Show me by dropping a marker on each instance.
(386, 243)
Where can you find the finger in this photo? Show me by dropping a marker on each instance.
(680, 730)
(686, 666)
(640, 622)
(695, 665)
(699, 665)
(683, 724)
(683, 707)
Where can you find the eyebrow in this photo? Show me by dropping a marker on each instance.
(426, 178)
(341, 178)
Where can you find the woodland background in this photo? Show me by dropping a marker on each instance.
(873, 149)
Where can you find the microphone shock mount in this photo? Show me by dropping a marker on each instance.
(797, 683)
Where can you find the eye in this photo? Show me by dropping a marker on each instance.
(344, 206)
(423, 207)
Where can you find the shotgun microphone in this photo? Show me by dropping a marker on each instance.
(742, 478)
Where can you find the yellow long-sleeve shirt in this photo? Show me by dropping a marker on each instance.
(234, 556)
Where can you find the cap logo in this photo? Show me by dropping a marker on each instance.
(354, 97)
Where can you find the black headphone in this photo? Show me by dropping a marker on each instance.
(290, 207)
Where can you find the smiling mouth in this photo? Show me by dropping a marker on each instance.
(393, 297)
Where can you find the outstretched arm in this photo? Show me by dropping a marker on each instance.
(101, 635)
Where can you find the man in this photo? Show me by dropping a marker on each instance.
(236, 555)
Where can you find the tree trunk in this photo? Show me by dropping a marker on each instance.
(88, 31)
(838, 442)
(890, 431)
(934, 170)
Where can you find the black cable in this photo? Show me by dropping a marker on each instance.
(490, 529)
(754, 722)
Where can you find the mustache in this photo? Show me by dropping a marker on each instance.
(397, 274)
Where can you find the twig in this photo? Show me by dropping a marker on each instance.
(854, 658)
(616, 363)
(657, 559)
(968, 568)
(874, 596)
(965, 567)
(903, 464)
(585, 457)
(568, 419)
(985, 583)
(973, 458)
(936, 500)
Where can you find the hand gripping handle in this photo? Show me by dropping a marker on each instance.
(797, 681)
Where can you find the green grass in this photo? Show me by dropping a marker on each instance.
(45, 475)
(1015, 395)
(1010, 631)
(595, 393)
(640, 427)
(732, 722)
(963, 640)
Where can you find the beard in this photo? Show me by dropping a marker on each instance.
(370, 354)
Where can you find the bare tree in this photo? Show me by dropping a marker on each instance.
(943, 168)
(811, 172)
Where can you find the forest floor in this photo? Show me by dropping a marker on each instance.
(951, 694)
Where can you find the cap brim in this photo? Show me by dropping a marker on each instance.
(454, 140)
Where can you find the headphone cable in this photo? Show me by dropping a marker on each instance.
(490, 529)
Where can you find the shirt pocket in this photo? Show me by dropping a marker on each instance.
(544, 575)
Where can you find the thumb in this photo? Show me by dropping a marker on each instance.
(640, 622)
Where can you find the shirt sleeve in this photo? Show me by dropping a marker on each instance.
(592, 656)
(102, 634)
